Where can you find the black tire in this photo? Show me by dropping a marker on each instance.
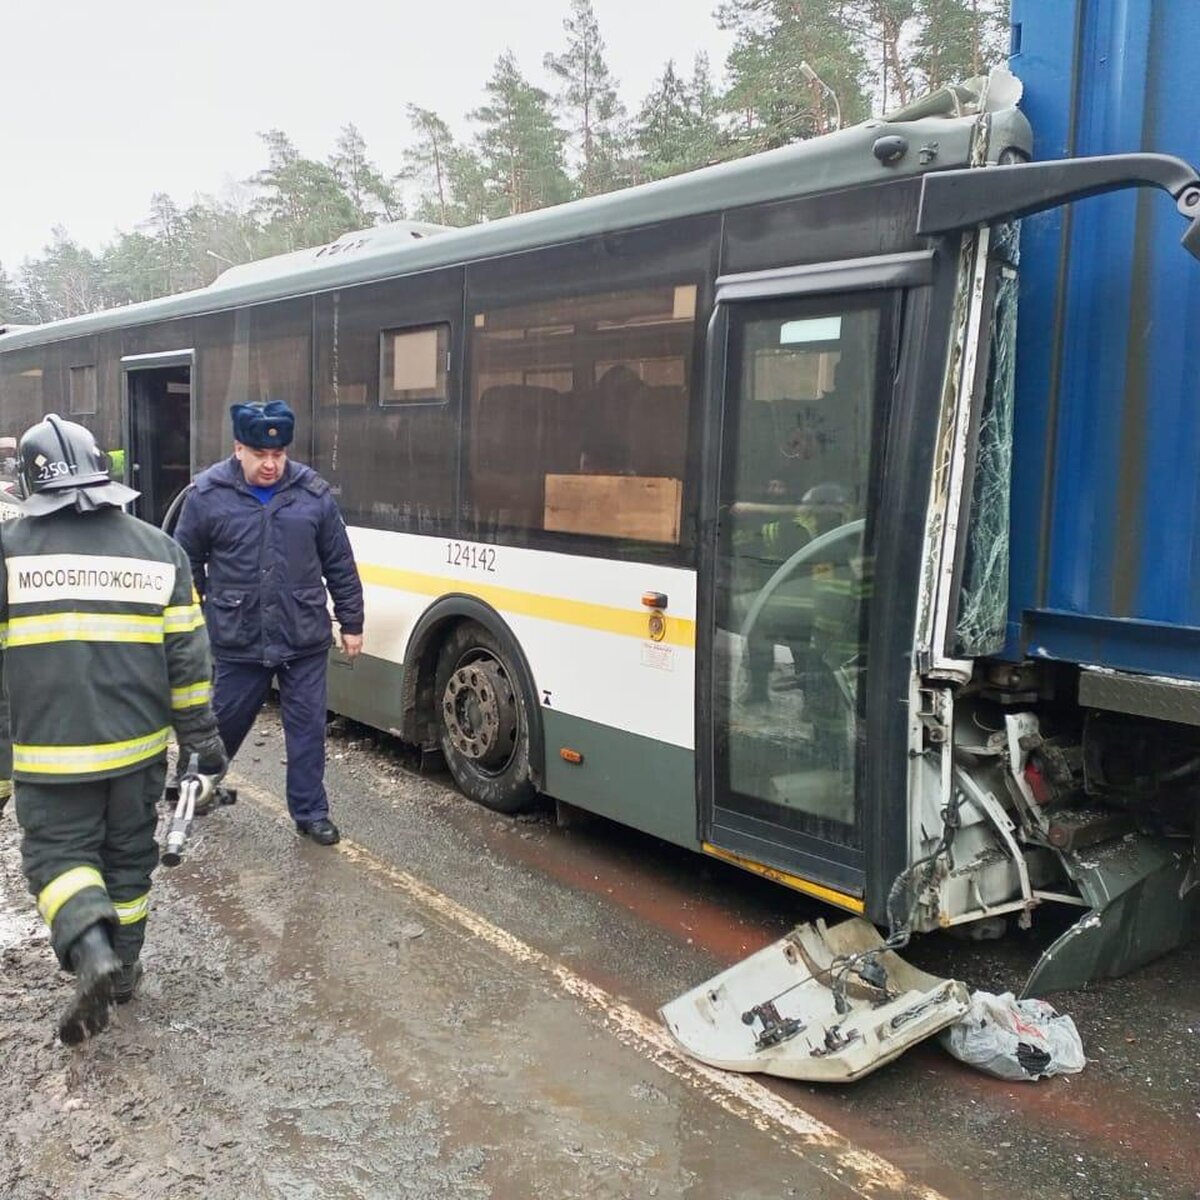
(483, 720)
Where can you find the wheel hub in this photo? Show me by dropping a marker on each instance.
(480, 712)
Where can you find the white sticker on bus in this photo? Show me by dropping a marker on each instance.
(661, 658)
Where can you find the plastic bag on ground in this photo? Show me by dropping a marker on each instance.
(1015, 1039)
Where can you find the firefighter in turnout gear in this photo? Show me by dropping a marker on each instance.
(104, 651)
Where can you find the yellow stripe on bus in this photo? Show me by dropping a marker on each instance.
(796, 882)
(605, 618)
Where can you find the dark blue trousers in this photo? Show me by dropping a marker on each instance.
(239, 692)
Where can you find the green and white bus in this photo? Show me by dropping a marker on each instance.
(664, 501)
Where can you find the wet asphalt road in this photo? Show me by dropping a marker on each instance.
(647, 921)
(409, 1014)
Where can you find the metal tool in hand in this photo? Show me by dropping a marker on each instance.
(194, 790)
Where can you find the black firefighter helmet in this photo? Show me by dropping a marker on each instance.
(61, 466)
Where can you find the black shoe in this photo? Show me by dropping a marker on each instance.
(127, 982)
(323, 831)
(96, 968)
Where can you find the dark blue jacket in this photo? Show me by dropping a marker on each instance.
(262, 569)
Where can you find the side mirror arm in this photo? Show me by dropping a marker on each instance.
(963, 199)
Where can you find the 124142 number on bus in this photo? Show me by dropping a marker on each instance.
(477, 558)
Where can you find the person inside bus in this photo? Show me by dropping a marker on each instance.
(611, 423)
(268, 546)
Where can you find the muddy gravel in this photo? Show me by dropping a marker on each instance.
(207, 1085)
(304, 1032)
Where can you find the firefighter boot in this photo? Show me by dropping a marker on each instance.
(127, 982)
(96, 968)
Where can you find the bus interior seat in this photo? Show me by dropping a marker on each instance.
(510, 432)
(634, 428)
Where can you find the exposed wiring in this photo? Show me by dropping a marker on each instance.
(899, 924)
(864, 963)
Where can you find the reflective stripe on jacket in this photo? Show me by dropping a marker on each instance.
(104, 646)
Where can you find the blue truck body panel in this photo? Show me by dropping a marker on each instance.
(1106, 478)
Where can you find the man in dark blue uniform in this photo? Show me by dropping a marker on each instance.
(266, 540)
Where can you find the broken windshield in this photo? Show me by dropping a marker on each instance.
(983, 596)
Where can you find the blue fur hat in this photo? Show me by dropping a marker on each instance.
(267, 426)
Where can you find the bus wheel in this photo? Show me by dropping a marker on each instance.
(483, 726)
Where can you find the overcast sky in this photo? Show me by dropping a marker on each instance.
(107, 101)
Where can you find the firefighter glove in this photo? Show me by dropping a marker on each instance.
(210, 755)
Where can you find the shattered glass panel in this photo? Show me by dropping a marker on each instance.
(983, 600)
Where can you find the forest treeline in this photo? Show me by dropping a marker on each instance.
(795, 69)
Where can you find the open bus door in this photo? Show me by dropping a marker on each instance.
(158, 395)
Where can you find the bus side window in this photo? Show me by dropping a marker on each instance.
(579, 414)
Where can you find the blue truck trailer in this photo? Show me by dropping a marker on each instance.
(1105, 540)
(1106, 465)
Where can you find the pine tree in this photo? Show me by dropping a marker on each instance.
(302, 202)
(520, 146)
(217, 235)
(11, 305)
(588, 99)
(134, 270)
(956, 39)
(772, 99)
(889, 20)
(67, 281)
(704, 98)
(661, 127)
(373, 197)
(468, 187)
(676, 129)
(166, 228)
(428, 162)
(457, 189)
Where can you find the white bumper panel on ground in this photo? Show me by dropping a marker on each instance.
(777, 1011)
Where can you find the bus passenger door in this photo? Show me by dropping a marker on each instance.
(805, 384)
(158, 391)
